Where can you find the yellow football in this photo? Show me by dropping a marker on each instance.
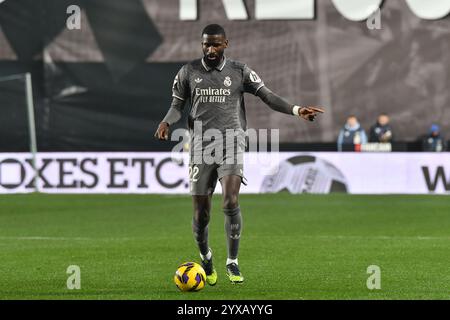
(190, 276)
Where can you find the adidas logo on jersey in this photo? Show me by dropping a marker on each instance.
(198, 80)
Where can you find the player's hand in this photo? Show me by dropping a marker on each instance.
(309, 113)
(162, 133)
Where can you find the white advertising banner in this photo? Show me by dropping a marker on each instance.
(159, 172)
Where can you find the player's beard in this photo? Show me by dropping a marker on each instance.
(215, 62)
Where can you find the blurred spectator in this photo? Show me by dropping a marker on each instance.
(381, 131)
(351, 134)
(434, 142)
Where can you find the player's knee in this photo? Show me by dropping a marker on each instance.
(232, 212)
(230, 202)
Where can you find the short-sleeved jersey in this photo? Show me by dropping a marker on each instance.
(216, 95)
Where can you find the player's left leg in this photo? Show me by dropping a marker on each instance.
(233, 223)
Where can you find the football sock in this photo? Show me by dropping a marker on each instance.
(232, 261)
(208, 256)
(233, 227)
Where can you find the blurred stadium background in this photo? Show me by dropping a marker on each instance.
(100, 91)
(129, 52)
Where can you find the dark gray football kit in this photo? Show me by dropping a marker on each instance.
(216, 120)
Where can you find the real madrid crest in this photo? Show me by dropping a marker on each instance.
(227, 81)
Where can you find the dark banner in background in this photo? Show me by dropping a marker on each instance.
(107, 85)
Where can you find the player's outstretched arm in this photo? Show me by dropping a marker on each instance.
(172, 116)
(279, 104)
(307, 113)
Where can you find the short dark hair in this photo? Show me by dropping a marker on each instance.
(213, 29)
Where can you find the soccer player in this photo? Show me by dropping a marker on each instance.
(214, 87)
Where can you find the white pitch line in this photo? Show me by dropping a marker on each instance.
(331, 237)
(67, 238)
(379, 237)
(46, 238)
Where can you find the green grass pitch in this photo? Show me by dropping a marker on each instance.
(292, 246)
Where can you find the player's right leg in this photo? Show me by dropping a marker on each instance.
(200, 221)
(202, 209)
(203, 179)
